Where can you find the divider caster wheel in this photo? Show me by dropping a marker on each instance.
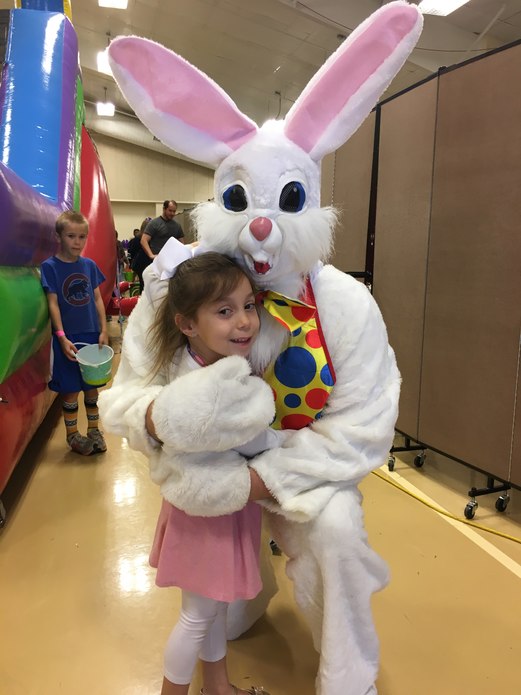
(502, 503)
(390, 462)
(470, 509)
(419, 460)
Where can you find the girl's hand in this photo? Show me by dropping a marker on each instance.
(103, 338)
(68, 348)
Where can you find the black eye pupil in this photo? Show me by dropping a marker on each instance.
(234, 198)
(292, 197)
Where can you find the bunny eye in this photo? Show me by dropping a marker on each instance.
(293, 197)
(234, 198)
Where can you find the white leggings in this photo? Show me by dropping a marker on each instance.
(200, 633)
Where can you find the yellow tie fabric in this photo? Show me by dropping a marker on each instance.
(302, 376)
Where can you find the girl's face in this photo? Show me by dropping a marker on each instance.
(72, 241)
(225, 327)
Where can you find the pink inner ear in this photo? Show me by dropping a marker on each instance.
(176, 87)
(351, 69)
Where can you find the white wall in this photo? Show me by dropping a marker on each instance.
(127, 216)
(139, 180)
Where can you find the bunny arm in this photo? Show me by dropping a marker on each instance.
(208, 483)
(184, 411)
(123, 406)
(355, 434)
(202, 484)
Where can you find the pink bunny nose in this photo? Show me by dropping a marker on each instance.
(260, 228)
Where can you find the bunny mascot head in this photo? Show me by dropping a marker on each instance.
(267, 183)
(344, 386)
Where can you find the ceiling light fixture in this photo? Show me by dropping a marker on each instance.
(440, 7)
(115, 4)
(105, 108)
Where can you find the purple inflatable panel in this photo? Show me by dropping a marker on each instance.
(27, 234)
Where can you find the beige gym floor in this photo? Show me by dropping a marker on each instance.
(80, 614)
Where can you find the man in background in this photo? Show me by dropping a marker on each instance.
(159, 230)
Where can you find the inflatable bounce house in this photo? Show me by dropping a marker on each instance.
(48, 164)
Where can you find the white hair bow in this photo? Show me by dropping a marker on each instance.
(171, 255)
(163, 267)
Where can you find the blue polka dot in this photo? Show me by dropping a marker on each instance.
(319, 415)
(297, 331)
(292, 400)
(325, 375)
(295, 367)
(280, 302)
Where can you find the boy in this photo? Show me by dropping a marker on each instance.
(77, 313)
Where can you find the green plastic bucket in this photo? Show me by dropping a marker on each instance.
(129, 275)
(95, 363)
(134, 290)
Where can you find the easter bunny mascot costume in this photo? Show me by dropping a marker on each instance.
(333, 373)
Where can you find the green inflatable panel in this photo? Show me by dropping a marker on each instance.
(80, 119)
(25, 317)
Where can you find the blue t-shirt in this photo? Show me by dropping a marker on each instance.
(74, 285)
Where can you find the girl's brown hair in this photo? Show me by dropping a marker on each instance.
(197, 281)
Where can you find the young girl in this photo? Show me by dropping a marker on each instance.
(71, 283)
(209, 313)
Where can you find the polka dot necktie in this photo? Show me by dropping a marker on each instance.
(302, 376)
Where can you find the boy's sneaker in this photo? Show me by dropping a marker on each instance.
(80, 444)
(97, 439)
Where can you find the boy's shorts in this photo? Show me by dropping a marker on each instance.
(65, 374)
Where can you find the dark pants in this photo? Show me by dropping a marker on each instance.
(138, 265)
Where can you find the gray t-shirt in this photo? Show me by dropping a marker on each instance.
(160, 231)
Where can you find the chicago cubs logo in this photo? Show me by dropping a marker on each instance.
(76, 289)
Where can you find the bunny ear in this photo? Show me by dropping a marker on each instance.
(177, 102)
(342, 93)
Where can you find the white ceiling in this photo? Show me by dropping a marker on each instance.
(263, 52)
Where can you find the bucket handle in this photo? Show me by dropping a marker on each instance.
(87, 364)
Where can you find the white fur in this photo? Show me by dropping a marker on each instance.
(300, 243)
(195, 467)
(223, 387)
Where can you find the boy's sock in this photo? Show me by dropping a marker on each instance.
(91, 406)
(93, 433)
(70, 418)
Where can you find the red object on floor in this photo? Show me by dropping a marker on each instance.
(127, 304)
(121, 306)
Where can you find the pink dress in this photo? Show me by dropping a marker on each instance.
(216, 557)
